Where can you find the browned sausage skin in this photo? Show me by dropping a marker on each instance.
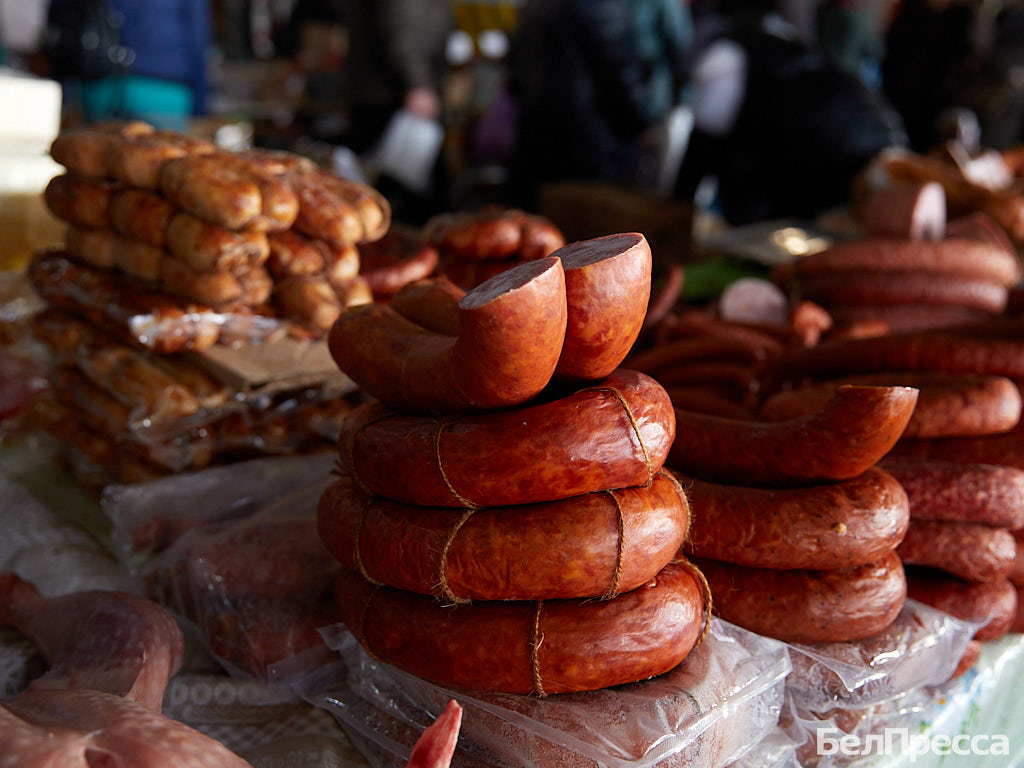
(511, 330)
(838, 441)
(608, 286)
(594, 545)
(809, 606)
(613, 434)
(544, 647)
(827, 526)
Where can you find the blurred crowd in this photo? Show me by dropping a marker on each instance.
(759, 108)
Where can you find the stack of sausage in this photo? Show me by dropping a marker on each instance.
(960, 459)
(932, 275)
(220, 228)
(795, 526)
(123, 415)
(513, 465)
(476, 245)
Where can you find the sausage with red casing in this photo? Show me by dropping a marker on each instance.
(809, 606)
(992, 604)
(613, 434)
(541, 647)
(840, 440)
(827, 526)
(594, 545)
(511, 330)
(972, 551)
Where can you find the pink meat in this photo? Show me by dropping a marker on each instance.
(436, 745)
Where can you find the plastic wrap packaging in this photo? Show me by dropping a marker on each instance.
(235, 551)
(708, 711)
(152, 320)
(921, 647)
(775, 750)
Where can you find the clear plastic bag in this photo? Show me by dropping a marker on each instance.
(921, 647)
(709, 710)
(235, 551)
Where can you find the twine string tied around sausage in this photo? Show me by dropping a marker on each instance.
(634, 424)
(443, 587)
(463, 502)
(536, 640)
(706, 593)
(613, 590)
(360, 565)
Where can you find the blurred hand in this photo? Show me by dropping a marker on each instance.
(423, 102)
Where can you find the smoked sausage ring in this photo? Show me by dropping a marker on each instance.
(948, 404)
(614, 434)
(809, 606)
(511, 331)
(833, 525)
(608, 286)
(596, 545)
(494, 233)
(538, 647)
(849, 433)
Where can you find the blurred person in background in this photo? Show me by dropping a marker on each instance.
(396, 62)
(131, 59)
(779, 128)
(848, 32)
(592, 78)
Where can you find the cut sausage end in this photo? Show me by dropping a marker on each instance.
(507, 281)
(587, 252)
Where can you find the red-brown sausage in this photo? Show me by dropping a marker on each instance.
(802, 606)
(79, 201)
(972, 551)
(208, 287)
(967, 493)
(432, 303)
(140, 214)
(511, 330)
(850, 433)
(949, 404)
(892, 288)
(963, 258)
(206, 247)
(137, 160)
(839, 525)
(341, 211)
(613, 434)
(90, 246)
(1006, 450)
(595, 545)
(398, 258)
(550, 646)
(985, 349)
(86, 151)
(906, 317)
(494, 233)
(992, 604)
(608, 285)
(308, 300)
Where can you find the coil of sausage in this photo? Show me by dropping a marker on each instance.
(991, 604)
(538, 647)
(341, 211)
(849, 433)
(948, 404)
(398, 258)
(809, 606)
(608, 286)
(967, 493)
(494, 233)
(511, 331)
(205, 247)
(614, 434)
(829, 526)
(432, 303)
(972, 551)
(595, 545)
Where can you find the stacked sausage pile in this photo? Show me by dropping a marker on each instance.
(475, 246)
(219, 228)
(513, 465)
(910, 282)
(794, 525)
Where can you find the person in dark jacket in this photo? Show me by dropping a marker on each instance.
(591, 77)
(159, 73)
